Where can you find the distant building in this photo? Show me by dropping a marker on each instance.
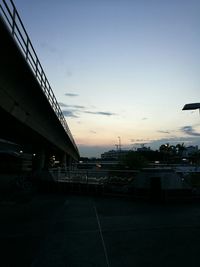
(114, 154)
(143, 149)
(189, 151)
(111, 154)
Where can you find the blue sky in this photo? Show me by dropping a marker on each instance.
(120, 68)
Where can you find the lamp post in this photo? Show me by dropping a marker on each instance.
(192, 106)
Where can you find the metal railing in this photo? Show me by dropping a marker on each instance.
(103, 182)
(12, 19)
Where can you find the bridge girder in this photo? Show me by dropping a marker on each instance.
(25, 112)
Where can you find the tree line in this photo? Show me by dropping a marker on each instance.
(167, 154)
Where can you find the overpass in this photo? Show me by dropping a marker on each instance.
(29, 112)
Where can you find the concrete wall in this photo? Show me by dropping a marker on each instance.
(168, 179)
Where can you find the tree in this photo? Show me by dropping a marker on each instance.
(168, 149)
(180, 148)
(195, 158)
(164, 148)
(169, 152)
(134, 160)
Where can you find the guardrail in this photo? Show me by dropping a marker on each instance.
(10, 16)
(102, 182)
(93, 176)
(117, 183)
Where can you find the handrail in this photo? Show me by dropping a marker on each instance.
(12, 19)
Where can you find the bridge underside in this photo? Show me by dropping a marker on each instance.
(27, 117)
(15, 131)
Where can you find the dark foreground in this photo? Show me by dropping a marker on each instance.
(53, 230)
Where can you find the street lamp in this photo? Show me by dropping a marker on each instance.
(192, 106)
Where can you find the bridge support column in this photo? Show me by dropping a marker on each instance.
(69, 162)
(63, 161)
(40, 160)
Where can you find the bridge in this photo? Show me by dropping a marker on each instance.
(29, 112)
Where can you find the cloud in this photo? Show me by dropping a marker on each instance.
(144, 119)
(165, 132)
(71, 94)
(80, 109)
(189, 130)
(139, 140)
(93, 132)
(76, 106)
(69, 113)
(72, 106)
(62, 104)
(100, 113)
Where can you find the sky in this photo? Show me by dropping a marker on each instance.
(120, 69)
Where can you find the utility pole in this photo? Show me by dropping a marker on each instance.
(119, 143)
(119, 151)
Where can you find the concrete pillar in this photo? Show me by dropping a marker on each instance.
(70, 163)
(63, 161)
(39, 160)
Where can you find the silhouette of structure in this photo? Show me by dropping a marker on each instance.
(29, 112)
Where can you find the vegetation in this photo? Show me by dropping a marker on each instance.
(167, 154)
(134, 160)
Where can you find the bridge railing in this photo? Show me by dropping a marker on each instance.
(12, 19)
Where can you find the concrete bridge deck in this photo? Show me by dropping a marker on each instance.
(29, 112)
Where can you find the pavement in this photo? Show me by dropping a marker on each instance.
(51, 230)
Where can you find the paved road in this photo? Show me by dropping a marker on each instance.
(82, 231)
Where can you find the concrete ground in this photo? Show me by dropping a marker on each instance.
(53, 230)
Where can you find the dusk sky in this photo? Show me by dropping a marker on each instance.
(120, 68)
